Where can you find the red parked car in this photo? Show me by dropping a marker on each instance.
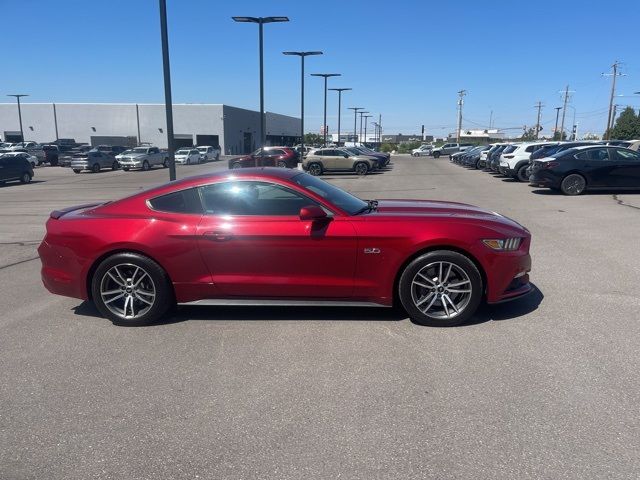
(272, 236)
(284, 157)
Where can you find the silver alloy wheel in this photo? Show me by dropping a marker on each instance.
(441, 290)
(315, 169)
(574, 184)
(362, 169)
(236, 165)
(128, 291)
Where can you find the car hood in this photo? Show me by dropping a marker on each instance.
(435, 208)
(132, 155)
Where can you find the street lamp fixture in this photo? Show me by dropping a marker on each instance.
(325, 75)
(261, 21)
(355, 123)
(18, 96)
(339, 90)
(302, 56)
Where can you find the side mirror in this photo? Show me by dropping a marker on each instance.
(313, 213)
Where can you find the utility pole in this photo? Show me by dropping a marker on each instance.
(379, 130)
(461, 95)
(355, 123)
(555, 129)
(564, 110)
(614, 75)
(491, 119)
(360, 135)
(539, 107)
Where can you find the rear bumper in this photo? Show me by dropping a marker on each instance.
(541, 178)
(61, 274)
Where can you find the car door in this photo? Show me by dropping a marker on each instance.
(598, 166)
(335, 159)
(7, 169)
(626, 169)
(255, 245)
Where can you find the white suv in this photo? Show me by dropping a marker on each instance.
(514, 160)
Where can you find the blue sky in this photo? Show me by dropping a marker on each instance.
(403, 59)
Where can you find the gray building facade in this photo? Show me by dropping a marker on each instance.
(236, 130)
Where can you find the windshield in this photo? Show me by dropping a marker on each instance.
(334, 195)
(139, 150)
(562, 153)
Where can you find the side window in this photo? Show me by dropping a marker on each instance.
(184, 201)
(153, 150)
(628, 155)
(599, 154)
(252, 198)
(319, 152)
(530, 148)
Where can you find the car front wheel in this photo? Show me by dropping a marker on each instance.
(361, 168)
(436, 154)
(236, 165)
(573, 184)
(131, 290)
(26, 177)
(146, 166)
(440, 289)
(523, 174)
(115, 166)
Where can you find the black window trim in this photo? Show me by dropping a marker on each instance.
(150, 206)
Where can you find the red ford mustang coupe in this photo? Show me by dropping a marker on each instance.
(272, 236)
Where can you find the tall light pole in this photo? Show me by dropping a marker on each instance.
(339, 90)
(302, 56)
(261, 21)
(564, 110)
(366, 120)
(461, 95)
(555, 130)
(18, 95)
(55, 120)
(355, 123)
(614, 74)
(168, 105)
(325, 76)
(360, 135)
(539, 107)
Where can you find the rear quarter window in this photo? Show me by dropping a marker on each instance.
(183, 201)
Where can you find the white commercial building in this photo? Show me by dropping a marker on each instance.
(236, 130)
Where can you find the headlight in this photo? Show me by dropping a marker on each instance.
(504, 245)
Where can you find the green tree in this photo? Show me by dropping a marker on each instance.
(313, 139)
(627, 126)
(529, 134)
(556, 136)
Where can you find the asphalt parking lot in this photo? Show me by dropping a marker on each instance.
(546, 387)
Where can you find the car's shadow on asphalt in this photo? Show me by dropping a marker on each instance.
(15, 184)
(548, 191)
(184, 313)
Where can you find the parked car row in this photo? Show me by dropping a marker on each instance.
(360, 160)
(446, 149)
(569, 167)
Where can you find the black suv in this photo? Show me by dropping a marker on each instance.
(15, 168)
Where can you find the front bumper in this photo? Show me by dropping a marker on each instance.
(130, 163)
(509, 278)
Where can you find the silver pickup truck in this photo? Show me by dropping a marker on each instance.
(450, 148)
(143, 158)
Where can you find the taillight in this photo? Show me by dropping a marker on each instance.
(508, 156)
(550, 164)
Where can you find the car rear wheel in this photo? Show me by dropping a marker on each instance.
(76, 170)
(315, 169)
(145, 165)
(436, 154)
(573, 184)
(131, 290)
(95, 168)
(115, 166)
(165, 164)
(440, 288)
(25, 178)
(361, 168)
(236, 165)
(523, 174)
(282, 164)
(217, 157)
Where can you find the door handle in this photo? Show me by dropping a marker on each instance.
(218, 236)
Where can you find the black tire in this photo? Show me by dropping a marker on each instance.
(436, 154)
(146, 166)
(126, 169)
(76, 170)
(25, 178)
(361, 168)
(521, 174)
(95, 168)
(217, 157)
(236, 165)
(460, 261)
(165, 164)
(282, 164)
(54, 162)
(315, 169)
(415, 155)
(163, 300)
(115, 165)
(573, 184)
